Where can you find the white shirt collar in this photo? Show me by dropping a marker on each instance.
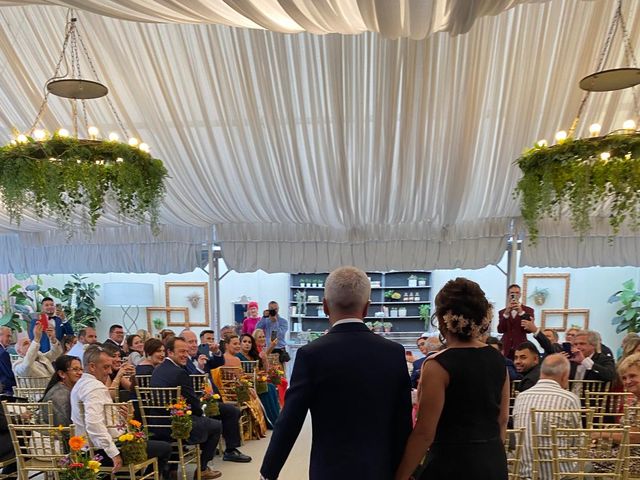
(347, 320)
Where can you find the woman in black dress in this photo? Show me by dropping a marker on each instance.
(463, 396)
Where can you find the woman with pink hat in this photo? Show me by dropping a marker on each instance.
(249, 323)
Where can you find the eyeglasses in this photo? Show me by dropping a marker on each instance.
(76, 369)
(422, 344)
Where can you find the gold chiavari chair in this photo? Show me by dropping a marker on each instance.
(580, 387)
(32, 382)
(513, 447)
(608, 407)
(228, 382)
(631, 419)
(153, 404)
(32, 413)
(31, 388)
(589, 452)
(198, 382)
(39, 448)
(33, 395)
(513, 393)
(250, 368)
(115, 416)
(4, 464)
(541, 421)
(143, 381)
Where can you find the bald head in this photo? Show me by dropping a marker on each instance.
(346, 294)
(556, 367)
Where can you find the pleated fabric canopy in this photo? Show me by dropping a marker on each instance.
(388, 142)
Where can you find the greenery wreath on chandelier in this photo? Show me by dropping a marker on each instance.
(61, 176)
(581, 175)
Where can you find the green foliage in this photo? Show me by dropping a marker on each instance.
(425, 314)
(628, 315)
(573, 175)
(62, 176)
(83, 312)
(21, 301)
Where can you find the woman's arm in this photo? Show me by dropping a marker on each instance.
(433, 383)
(503, 417)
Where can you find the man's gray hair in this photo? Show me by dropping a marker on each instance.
(92, 354)
(555, 365)
(593, 338)
(347, 290)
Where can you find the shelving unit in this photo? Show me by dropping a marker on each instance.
(311, 317)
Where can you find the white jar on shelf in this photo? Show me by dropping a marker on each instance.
(402, 312)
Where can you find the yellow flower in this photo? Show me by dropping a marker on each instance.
(123, 437)
(188, 412)
(216, 396)
(94, 465)
(60, 428)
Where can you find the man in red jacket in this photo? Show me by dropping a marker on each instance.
(514, 322)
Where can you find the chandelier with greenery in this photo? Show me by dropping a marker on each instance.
(73, 180)
(587, 176)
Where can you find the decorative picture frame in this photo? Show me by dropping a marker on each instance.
(557, 286)
(193, 296)
(567, 316)
(182, 321)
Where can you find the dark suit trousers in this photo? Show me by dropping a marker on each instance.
(206, 432)
(229, 416)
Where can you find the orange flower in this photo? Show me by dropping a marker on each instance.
(135, 423)
(76, 443)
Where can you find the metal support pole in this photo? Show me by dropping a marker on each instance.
(512, 260)
(213, 291)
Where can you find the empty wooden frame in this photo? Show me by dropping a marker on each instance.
(179, 319)
(557, 283)
(559, 319)
(184, 294)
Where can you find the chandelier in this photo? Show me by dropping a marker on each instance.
(73, 177)
(592, 175)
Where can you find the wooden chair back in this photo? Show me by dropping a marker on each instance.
(228, 382)
(32, 382)
(608, 407)
(198, 382)
(588, 452)
(32, 413)
(541, 421)
(513, 447)
(39, 448)
(580, 387)
(143, 381)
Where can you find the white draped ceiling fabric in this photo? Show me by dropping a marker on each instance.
(387, 143)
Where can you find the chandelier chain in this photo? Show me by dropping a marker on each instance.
(630, 58)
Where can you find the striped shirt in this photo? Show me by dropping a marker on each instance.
(545, 395)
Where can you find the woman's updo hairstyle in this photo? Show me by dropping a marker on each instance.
(462, 309)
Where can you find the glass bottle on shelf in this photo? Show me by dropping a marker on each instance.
(416, 297)
(405, 297)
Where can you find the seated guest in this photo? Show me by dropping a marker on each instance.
(208, 343)
(229, 413)
(586, 362)
(56, 319)
(553, 338)
(269, 399)
(166, 333)
(226, 332)
(116, 339)
(527, 362)
(511, 368)
(68, 341)
(136, 349)
(92, 391)
(550, 394)
(7, 378)
(264, 351)
(205, 431)
(86, 336)
(120, 377)
(153, 356)
(32, 362)
(68, 371)
(428, 345)
(253, 317)
(200, 363)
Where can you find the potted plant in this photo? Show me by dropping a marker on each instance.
(539, 295)
(628, 315)
(413, 281)
(393, 295)
(378, 326)
(369, 325)
(303, 282)
(158, 323)
(387, 326)
(425, 313)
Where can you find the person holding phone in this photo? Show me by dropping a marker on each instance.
(55, 316)
(514, 322)
(275, 328)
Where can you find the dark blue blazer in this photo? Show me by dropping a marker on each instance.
(356, 385)
(213, 362)
(7, 378)
(168, 374)
(62, 329)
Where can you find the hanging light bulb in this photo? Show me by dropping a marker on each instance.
(63, 132)
(144, 147)
(541, 143)
(39, 134)
(133, 141)
(605, 156)
(594, 129)
(22, 138)
(93, 132)
(561, 136)
(114, 137)
(629, 125)
(119, 160)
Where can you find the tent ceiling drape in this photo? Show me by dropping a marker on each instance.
(304, 152)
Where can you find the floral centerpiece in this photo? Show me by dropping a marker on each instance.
(210, 401)
(261, 383)
(79, 464)
(242, 389)
(275, 375)
(181, 422)
(133, 443)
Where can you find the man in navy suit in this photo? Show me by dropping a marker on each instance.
(356, 386)
(63, 326)
(205, 431)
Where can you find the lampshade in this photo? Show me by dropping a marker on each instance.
(121, 293)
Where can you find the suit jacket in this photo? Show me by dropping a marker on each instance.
(512, 332)
(62, 329)
(548, 347)
(604, 369)
(168, 374)
(123, 354)
(356, 385)
(213, 362)
(529, 379)
(7, 378)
